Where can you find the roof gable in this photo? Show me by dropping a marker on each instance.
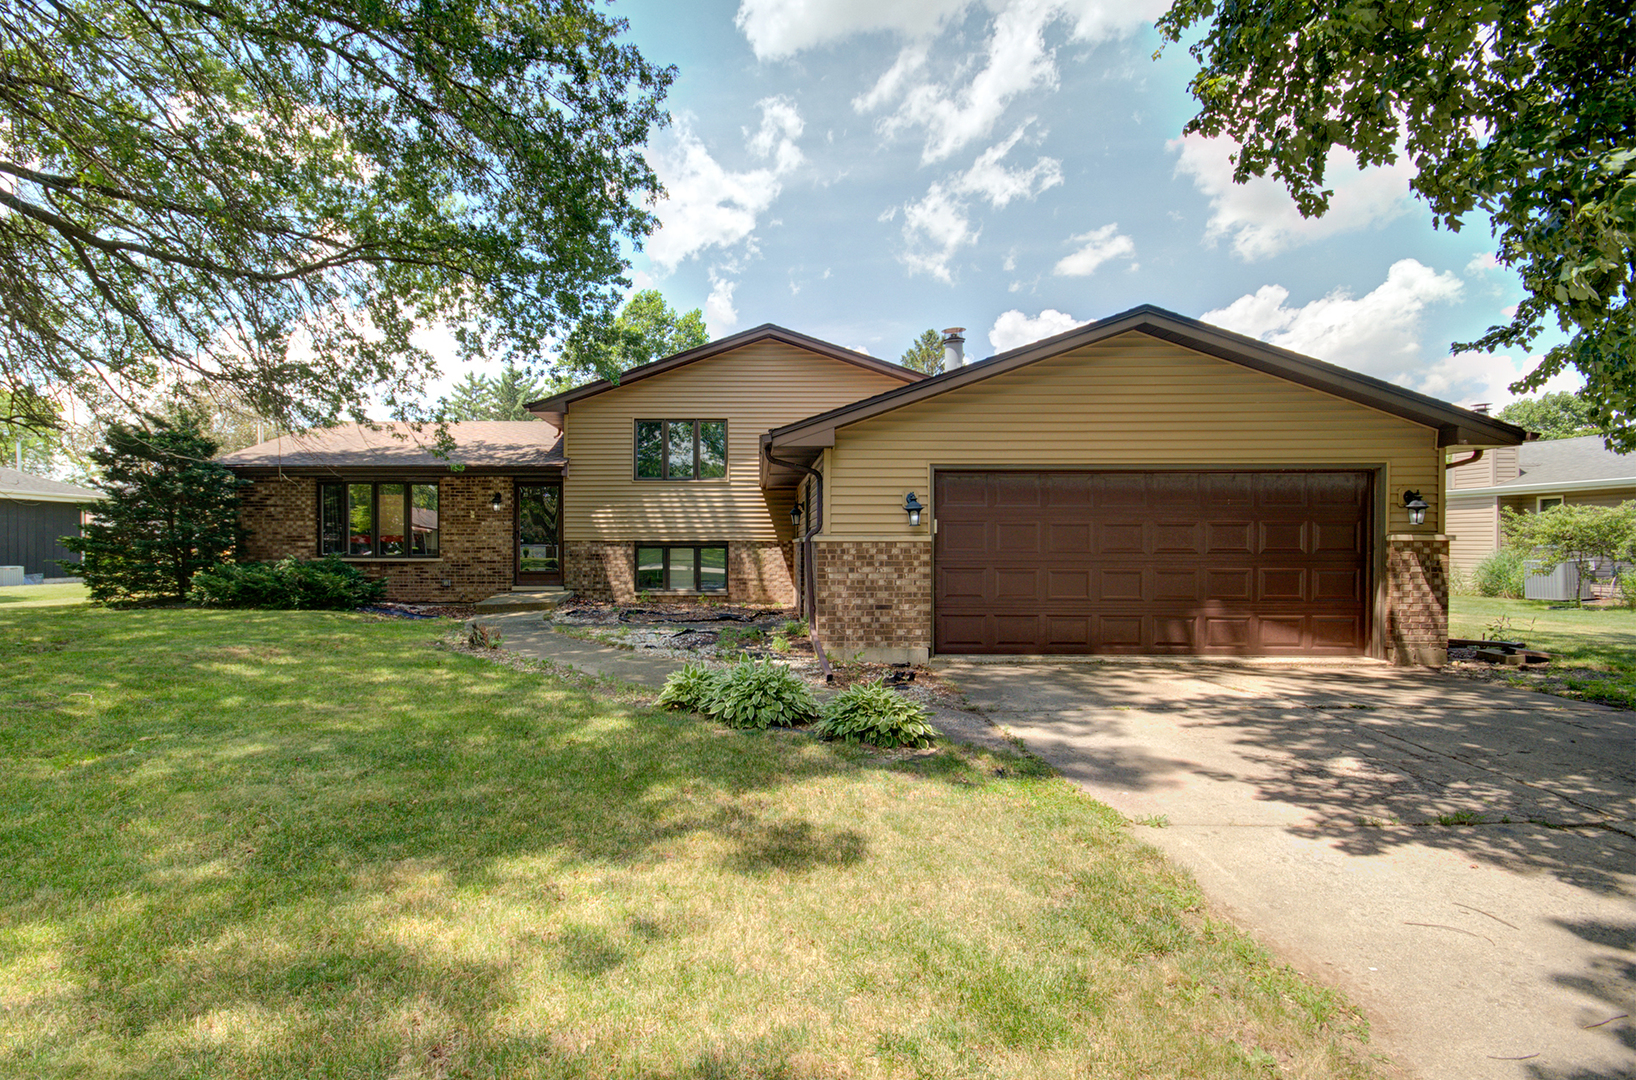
(1454, 425)
(556, 406)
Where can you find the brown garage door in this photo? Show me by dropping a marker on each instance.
(1246, 563)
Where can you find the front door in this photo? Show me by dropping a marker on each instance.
(539, 540)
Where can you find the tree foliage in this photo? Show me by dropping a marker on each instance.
(1573, 532)
(493, 397)
(645, 329)
(272, 195)
(169, 512)
(1521, 110)
(926, 354)
(1562, 415)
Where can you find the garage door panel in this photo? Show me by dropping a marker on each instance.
(1068, 585)
(1012, 584)
(1120, 538)
(1177, 538)
(1013, 538)
(1118, 586)
(1156, 562)
(1073, 539)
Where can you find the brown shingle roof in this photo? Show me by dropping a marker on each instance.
(481, 443)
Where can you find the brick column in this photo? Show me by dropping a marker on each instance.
(874, 599)
(1417, 599)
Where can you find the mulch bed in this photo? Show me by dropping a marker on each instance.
(391, 610)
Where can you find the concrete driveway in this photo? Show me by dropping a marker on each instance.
(1307, 800)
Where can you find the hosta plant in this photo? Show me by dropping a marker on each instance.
(760, 695)
(873, 713)
(689, 689)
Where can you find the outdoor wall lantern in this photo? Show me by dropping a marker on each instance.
(912, 507)
(494, 502)
(1416, 506)
(795, 516)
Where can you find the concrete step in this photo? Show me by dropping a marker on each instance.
(525, 600)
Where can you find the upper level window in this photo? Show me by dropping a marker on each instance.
(681, 449)
(1549, 502)
(378, 520)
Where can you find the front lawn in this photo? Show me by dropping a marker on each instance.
(312, 844)
(1593, 649)
(63, 592)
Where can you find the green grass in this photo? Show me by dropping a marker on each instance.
(1599, 641)
(42, 595)
(312, 844)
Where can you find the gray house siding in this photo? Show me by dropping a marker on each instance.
(30, 531)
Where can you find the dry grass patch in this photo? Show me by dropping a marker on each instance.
(358, 855)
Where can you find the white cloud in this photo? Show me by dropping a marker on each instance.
(706, 205)
(1260, 216)
(998, 184)
(781, 28)
(719, 313)
(1378, 333)
(1013, 329)
(1473, 377)
(939, 224)
(934, 229)
(1100, 246)
(977, 91)
(1482, 262)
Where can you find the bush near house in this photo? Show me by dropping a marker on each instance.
(290, 584)
(1501, 573)
(873, 713)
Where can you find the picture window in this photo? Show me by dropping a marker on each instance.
(681, 449)
(387, 520)
(690, 568)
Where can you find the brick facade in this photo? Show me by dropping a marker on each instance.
(1417, 599)
(757, 573)
(280, 517)
(874, 598)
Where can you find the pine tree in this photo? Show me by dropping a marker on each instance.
(926, 354)
(486, 397)
(170, 511)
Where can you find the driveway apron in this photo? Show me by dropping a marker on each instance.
(1331, 810)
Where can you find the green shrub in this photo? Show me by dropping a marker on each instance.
(760, 695)
(689, 689)
(326, 584)
(872, 713)
(1500, 574)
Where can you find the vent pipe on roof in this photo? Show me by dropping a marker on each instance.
(1481, 407)
(954, 348)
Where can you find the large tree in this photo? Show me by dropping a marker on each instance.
(272, 195)
(1523, 111)
(169, 511)
(647, 328)
(493, 397)
(926, 354)
(1562, 415)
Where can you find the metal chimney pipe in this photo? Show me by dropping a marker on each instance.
(954, 348)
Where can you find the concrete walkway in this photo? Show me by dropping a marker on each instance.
(1308, 803)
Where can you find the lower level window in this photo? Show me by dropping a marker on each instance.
(681, 568)
(378, 521)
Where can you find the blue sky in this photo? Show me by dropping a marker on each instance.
(861, 170)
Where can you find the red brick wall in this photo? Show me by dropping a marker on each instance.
(757, 573)
(874, 598)
(280, 517)
(1417, 599)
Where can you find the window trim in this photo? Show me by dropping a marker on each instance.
(409, 484)
(697, 547)
(1560, 501)
(664, 453)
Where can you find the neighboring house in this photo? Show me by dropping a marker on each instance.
(1529, 478)
(35, 514)
(1143, 484)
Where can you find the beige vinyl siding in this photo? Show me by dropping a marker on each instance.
(1475, 525)
(1133, 400)
(1608, 497)
(1506, 465)
(754, 389)
(1478, 474)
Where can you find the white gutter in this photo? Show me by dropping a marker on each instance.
(1532, 489)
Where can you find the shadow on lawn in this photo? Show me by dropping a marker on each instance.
(235, 831)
